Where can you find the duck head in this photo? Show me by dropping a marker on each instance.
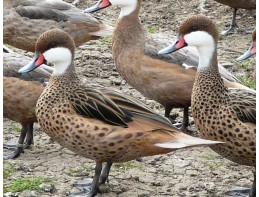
(198, 31)
(54, 46)
(251, 51)
(127, 6)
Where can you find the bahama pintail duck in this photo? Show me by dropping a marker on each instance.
(167, 79)
(25, 20)
(19, 102)
(102, 125)
(222, 114)
(235, 4)
(252, 50)
(20, 97)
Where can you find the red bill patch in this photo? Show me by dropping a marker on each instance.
(40, 60)
(104, 4)
(180, 44)
(254, 48)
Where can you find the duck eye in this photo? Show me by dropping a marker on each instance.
(194, 28)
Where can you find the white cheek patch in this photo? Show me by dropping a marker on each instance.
(61, 58)
(127, 6)
(205, 45)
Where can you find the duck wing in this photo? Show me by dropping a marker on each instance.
(56, 10)
(243, 102)
(111, 107)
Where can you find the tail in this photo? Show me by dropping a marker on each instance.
(183, 141)
(105, 30)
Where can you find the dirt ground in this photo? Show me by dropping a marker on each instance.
(190, 172)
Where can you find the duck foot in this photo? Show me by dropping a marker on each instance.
(83, 183)
(26, 132)
(239, 192)
(90, 187)
(85, 193)
(231, 30)
(233, 26)
(15, 153)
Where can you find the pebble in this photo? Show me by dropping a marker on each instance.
(47, 187)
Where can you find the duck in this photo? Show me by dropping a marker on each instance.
(252, 50)
(25, 20)
(235, 4)
(99, 124)
(227, 115)
(167, 79)
(19, 103)
(16, 91)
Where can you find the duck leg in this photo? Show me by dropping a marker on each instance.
(18, 148)
(233, 27)
(253, 189)
(89, 189)
(168, 110)
(105, 173)
(29, 137)
(185, 119)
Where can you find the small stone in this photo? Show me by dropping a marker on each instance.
(47, 187)
(115, 81)
(10, 194)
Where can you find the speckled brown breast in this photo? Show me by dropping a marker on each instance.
(216, 121)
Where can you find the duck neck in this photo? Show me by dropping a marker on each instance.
(67, 78)
(208, 77)
(128, 35)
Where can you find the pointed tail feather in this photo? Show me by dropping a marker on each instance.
(187, 141)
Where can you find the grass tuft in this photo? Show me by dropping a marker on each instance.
(127, 165)
(246, 80)
(22, 184)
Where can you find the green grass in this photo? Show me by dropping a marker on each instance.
(246, 80)
(214, 166)
(9, 168)
(15, 127)
(22, 184)
(152, 30)
(106, 40)
(127, 165)
(244, 64)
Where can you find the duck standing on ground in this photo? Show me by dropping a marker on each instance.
(105, 126)
(19, 103)
(235, 4)
(165, 79)
(222, 114)
(25, 20)
(20, 97)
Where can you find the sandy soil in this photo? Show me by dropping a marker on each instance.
(190, 172)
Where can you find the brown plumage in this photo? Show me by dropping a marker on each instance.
(25, 20)
(165, 79)
(222, 114)
(102, 125)
(19, 102)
